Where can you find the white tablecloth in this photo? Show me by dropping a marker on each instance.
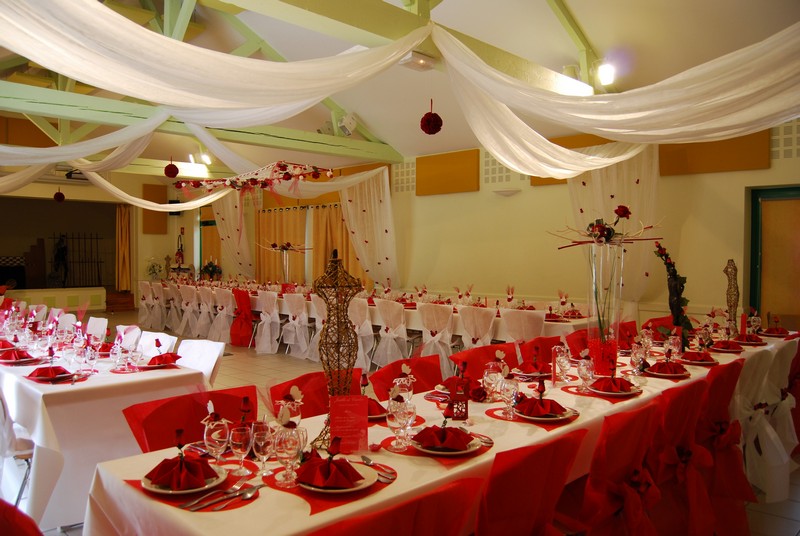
(118, 508)
(76, 426)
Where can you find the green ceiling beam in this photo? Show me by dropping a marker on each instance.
(155, 168)
(11, 62)
(586, 53)
(98, 110)
(45, 126)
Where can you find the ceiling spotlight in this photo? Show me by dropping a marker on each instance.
(347, 124)
(605, 74)
(205, 158)
(418, 61)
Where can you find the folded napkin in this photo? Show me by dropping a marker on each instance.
(702, 357)
(538, 407)
(667, 367)
(164, 359)
(777, 331)
(573, 313)
(181, 473)
(328, 473)
(577, 341)
(551, 316)
(105, 347)
(727, 345)
(748, 337)
(528, 367)
(5, 344)
(627, 333)
(15, 355)
(613, 385)
(475, 390)
(527, 307)
(446, 439)
(375, 408)
(48, 372)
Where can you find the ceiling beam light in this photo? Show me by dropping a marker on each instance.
(418, 61)
(605, 74)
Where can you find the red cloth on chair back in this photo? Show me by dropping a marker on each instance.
(314, 387)
(511, 505)
(154, 423)
(619, 487)
(677, 463)
(794, 389)
(539, 350)
(14, 521)
(660, 322)
(242, 326)
(627, 332)
(426, 370)
(476, 358)
(578, 341)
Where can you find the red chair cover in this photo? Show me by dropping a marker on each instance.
(619, 489)
(476, 358)
(314, 387)
(664, 322)
(578, 341)
(627, 332)
(726, 482)
(539, 350)
(444, 511)
(15, 521)
(153, 423)
(794, 389)
(677, 463)
(242, 326)
(426, 370)
(511, 505)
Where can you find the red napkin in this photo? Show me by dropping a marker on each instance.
(573, 313)
(446, 439)
(728, 345)
(164, 359)
(375, 408)
(15, 355)
(538, 407)
(5, 344)
(613, 385)
(577, 341)
(691, 355)
(777, 331)
(328, 473)
(48, 372)
(627, 333)
(749, 337)
(476, 391)
(551, 316)
(667, 367)
(181, 472)
(105, 347)
(528, 367)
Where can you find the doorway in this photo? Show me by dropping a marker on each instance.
(775, 255)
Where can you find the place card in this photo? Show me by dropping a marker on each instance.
(349, 415)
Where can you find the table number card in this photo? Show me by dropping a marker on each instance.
(349, 415)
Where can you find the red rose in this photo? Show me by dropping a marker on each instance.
(477, 394)
(622, 212)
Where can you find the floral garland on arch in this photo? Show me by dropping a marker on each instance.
(251, 182)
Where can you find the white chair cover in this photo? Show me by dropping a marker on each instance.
(269, 329)
(478, 324)
(159, 306)
(145, 304)
(96, 327)
(358, 312)
(67, 321)
(174, 300)
(129, 335)
(437, 332)
(191, 311)
(147, 343)
(207, 312)
(220, 330)
(295, 331)
(393, 344)
(201, 355)
(523, 325)
(39, 312)
(53, 316)
(781, 408)
(320, 316)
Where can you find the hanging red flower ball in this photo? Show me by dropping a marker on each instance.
(59, 197)
(431, 123)
(171, 170)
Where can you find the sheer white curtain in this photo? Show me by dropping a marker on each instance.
(633, 183)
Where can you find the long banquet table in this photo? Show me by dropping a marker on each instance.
(116, 507)
(74, 426)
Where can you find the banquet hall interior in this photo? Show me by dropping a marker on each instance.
(452, 152)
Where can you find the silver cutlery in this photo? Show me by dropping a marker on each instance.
(233, 489)
(383, 471)
(485, 440)
(225, 497)
(245, 495)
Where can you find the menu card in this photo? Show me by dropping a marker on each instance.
(349, 416)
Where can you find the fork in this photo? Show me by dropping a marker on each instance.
(233, 489)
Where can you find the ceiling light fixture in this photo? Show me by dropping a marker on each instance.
(347, 124)
(605, 73)
(418, 61)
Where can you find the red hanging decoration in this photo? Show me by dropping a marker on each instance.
(171, 170)
(59, 197)
(431, 123)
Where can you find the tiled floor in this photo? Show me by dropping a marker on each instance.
(242, 366)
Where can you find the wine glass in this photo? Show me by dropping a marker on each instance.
(262, 444)
(492, 374)
(562, 361)
(405, 387)
(289, 444)
(637, 357)
(585, 373)
(215, 437)
(675, 344)
(398, 419)
(241, 440)
(508, 388)
(755, 322)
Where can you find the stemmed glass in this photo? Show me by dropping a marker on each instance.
(405, 387)
(399, 419)
(241, 440)
(585, 373)
(647, 341)
(215, 437)
(289, 444)
(674, 343)
(262, 444)
(508, 388)
(491, 377)
(562, 361)
(637, 357)
(755, 324)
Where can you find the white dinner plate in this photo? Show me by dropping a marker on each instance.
(24, 362)
(774, 335)
(747, 343)
(668, 375)
(698, 363)
(534, 375)
(369, 477)
(222, 473)
(152, 367)
(724, 350)
(569, 413)
(474, 445)
(442, 389)
(633, 392)
(377, 417)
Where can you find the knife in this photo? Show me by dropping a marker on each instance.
(222, 498)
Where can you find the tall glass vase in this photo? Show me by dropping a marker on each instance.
(285, 265)
(605, 303)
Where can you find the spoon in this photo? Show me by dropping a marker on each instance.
(246, 495)
(383, 471)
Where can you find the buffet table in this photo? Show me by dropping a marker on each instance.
(119, 507)
(76, 425)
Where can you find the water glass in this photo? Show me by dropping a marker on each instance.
(241, 440)
(399, 419)
(491, 377)
(405, 387)
(262, 444)
(674, 343)
(508, 388)
(289, 444)
(215, 437)
(585, 373)
(637, 358)
(562, 361)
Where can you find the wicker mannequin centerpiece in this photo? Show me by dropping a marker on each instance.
(338, 342)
